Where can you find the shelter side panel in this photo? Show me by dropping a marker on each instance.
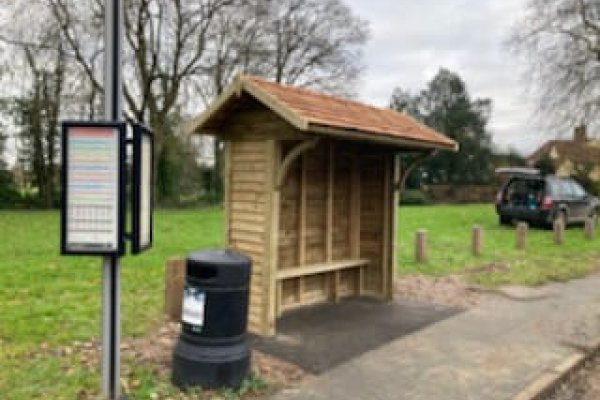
(289, 222)
(342, 187)
(247, 206)
(372, 175)
(316, 206)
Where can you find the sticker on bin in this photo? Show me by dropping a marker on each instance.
(193, 307)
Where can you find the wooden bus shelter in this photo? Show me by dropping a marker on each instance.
(311, 192)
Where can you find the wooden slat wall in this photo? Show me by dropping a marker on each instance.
(330, 184)
(246, 213)
(316, 204)
(341, 218)
(372, 170)
(289, 224)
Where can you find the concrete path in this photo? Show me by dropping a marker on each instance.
(491, 352)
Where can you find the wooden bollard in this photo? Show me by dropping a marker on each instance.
(559, 231)
(590, 228)
(477, 240)
(421, 246)
(174, 283)
(522, 235)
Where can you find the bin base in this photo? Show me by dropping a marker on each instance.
(210, 367)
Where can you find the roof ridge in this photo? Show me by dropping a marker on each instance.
(316, 93)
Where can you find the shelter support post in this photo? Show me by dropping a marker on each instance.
(302, 226)
(387, 224)
(354, 224)
(270, 275)
(334, 277)
(329, 211)
(226, 190)
(393, 248)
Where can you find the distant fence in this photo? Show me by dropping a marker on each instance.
(460, 193)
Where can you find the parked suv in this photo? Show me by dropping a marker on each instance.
(541, 199)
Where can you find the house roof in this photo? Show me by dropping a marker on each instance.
(574, 151)
(310, 111)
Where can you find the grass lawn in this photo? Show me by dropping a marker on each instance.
(48, 301)
(449, 239)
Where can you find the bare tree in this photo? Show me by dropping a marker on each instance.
(180, 54)
(560, 40)
(310, 43)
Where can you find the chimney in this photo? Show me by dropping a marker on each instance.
(580, 135)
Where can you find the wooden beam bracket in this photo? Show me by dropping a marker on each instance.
(399, 184)
(289, 159)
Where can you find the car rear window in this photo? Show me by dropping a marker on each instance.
(525, 192)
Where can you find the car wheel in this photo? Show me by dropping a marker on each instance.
(504, 220)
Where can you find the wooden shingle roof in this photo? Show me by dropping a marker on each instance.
(310, 111)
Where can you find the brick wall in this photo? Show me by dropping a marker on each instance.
(460, 193)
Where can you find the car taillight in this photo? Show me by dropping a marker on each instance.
(499, 197)
(547, 203)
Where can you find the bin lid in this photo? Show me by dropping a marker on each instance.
(218, 267)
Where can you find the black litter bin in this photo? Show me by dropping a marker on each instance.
(213, 350)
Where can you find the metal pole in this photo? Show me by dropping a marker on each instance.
(111, 323)
(111, 280)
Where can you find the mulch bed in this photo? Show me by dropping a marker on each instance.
(155, 352)
(451, 290)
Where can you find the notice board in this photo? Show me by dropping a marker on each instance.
(93, 196)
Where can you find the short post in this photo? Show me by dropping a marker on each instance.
(559, 231)
(590, 228)
(421, 246)
(477, 240)
(522, 235)
(174, 283)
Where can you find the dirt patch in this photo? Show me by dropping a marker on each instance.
(492, 267)
(583, 384)
(155, 351)
(451, 290)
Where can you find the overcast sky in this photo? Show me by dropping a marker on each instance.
(410, 40)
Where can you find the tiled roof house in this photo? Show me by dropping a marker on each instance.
(569, 155)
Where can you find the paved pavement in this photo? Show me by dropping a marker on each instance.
(490, 352)
(321, 337)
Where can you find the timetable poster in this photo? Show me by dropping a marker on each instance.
(92, 191)
(141, 190)
(146, 190)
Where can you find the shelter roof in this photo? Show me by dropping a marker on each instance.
(310, 111)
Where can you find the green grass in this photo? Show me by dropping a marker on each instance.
(449, 241)
(46, 298)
